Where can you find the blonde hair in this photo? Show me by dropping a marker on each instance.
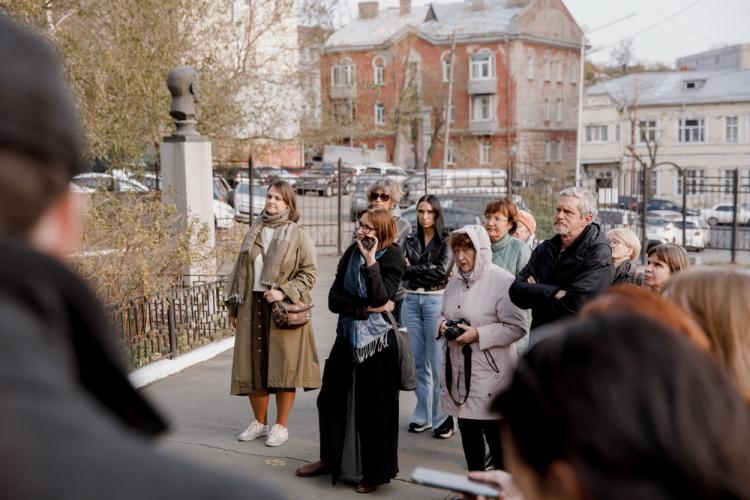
(389, 186)
(717, 298)
(628, 238)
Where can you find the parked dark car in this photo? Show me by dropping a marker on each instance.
(263, 176)
(455, 218)
(324, 180)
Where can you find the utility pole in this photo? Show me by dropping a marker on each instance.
(447, 140)
(580, 91)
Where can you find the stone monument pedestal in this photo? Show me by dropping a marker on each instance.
(187, 182)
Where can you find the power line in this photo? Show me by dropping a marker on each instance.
(686, 30)
(648, 28)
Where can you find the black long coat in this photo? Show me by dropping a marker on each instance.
(72, 426)
(584, 270)
(377, 377)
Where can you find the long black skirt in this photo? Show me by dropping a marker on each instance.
(376, 394)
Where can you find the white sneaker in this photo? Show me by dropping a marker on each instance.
(254, 430)
(278, 435)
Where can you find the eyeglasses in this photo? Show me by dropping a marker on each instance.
(496, 220)
(360, 225)
(382, 196)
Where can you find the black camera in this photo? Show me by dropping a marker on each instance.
(452, 332)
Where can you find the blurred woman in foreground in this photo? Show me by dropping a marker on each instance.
(621, 408)
(717, 298)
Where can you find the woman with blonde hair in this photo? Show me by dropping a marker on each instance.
(664, 261)
(625, 249)
(717, 298)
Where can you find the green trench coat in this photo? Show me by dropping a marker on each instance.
(293, 355)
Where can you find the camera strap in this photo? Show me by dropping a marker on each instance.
(467, 351)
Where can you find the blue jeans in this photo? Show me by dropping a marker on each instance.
(419, 315)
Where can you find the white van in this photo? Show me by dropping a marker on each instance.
(458, 181)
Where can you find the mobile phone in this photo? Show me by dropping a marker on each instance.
(368, 243)
(452, 482)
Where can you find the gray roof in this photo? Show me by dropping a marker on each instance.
(494, 20)
(670, 87)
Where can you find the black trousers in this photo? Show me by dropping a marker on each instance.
(474, 434)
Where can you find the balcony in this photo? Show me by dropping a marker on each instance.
(488, 86)
(483, 127)
(344, 92)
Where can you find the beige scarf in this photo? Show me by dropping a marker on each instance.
(236, 285)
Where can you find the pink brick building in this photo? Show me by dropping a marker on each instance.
(385, 79)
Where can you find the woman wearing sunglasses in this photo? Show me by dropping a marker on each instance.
(386, 194)
(358, 402)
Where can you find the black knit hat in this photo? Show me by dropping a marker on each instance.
(37, 116)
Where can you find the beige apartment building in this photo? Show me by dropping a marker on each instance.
(696, 120)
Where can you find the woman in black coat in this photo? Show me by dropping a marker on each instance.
(358, 402)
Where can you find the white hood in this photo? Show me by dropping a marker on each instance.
(481, 241)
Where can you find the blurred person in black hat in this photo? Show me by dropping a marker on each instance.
(72, 424)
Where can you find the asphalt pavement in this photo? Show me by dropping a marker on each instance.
(205, 421)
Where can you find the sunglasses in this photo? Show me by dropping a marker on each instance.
(382, 196)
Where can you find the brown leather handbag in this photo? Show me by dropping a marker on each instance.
(289, 315)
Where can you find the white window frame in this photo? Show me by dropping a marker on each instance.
(727, 176)
(696, 184)
(482, 102)
(685, 131)
(575, 71)
(547, 63)
(547, 151)
(445, 63)
(558, 110)
(596, 133)
(344, 69)
(380, 146)
(477, 67)
(449, 156)
(547, 111)
(617, 133)
(559, 150)
(378, 70)
(559, 70)
(485, 153)
(530, 64)
(650, 131)
(731, 132)
(379, 112)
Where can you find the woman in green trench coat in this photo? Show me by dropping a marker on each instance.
(276, 261)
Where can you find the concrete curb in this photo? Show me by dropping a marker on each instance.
(166, 367)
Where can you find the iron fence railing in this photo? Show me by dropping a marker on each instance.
(152, 328)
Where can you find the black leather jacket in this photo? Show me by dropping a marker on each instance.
(427, 268)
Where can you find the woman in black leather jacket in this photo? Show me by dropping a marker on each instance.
(429, 263)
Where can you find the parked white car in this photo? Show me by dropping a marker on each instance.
(697, 233)
(109, 182)
(723, 213)
(660, 230)
(242, 201)
(223, 215)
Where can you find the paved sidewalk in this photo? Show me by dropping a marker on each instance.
(206, 420)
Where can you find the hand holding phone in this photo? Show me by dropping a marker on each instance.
(368, 243)
(452, 482)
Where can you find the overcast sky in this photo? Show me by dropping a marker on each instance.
(662, 30)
